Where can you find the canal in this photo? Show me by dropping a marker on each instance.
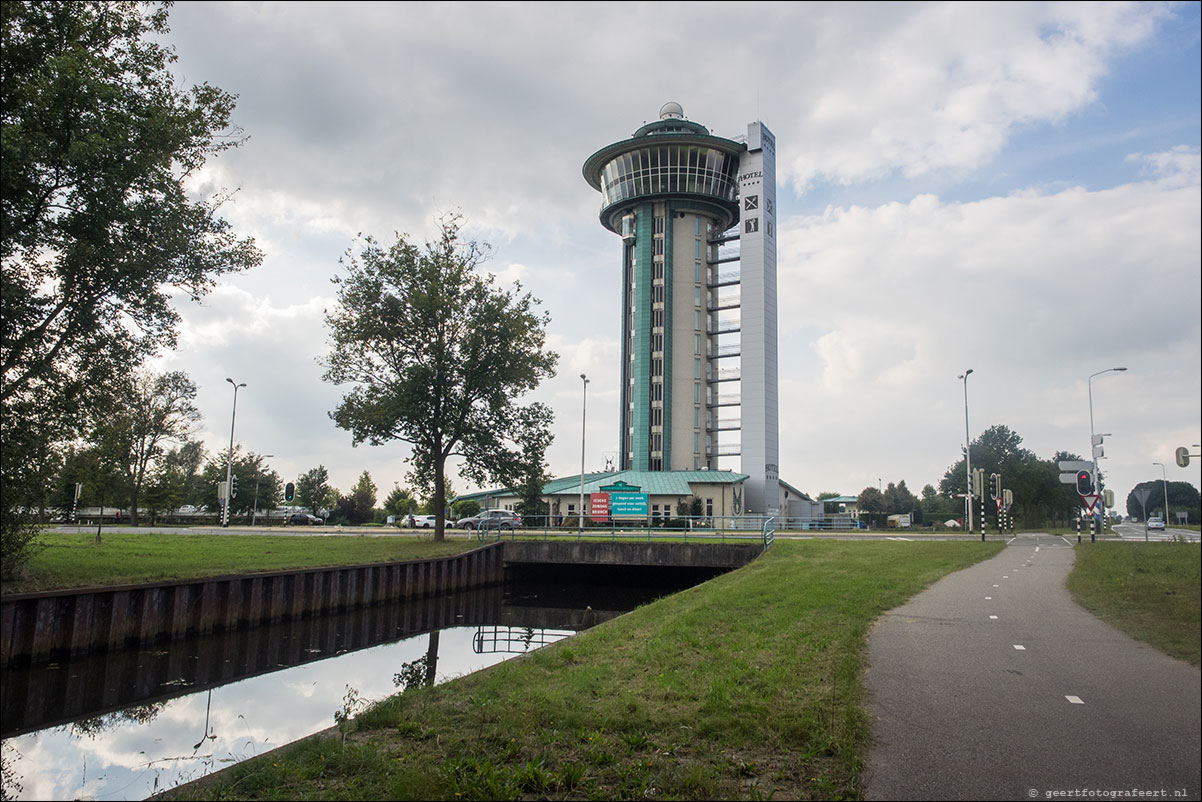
(127, 724)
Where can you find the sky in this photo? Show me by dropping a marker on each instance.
(1011, 188)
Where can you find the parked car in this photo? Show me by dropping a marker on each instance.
(491, 519)
(1155, 522)
(425, 521)
(302, 519)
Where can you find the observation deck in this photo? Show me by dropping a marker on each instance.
(671, 158)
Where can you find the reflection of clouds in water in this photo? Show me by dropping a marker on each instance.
(128, 760)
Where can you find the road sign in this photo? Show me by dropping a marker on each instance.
(1068, 478)
(1075, 465)
(1091, 501)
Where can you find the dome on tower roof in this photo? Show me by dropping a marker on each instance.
(671, 111)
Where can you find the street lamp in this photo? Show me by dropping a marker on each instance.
(583, 420)
(1165, 477)
(1093, 446)
(229, 466)
(967, 454)
(254, 514)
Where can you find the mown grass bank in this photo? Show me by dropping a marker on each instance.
(748, 686)
(1151, 591)
(70, 560)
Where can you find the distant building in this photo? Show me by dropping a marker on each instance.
(720, 492)
(721, 495)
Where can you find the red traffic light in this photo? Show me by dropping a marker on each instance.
(1084, 483)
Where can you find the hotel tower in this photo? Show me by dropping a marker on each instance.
(697, 218)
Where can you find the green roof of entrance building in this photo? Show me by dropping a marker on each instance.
(654, 483)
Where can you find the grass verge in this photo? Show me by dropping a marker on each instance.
(1151, 591)
(745, 687)
(63, 560)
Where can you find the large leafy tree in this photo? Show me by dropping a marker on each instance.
(438, 356)
(98, 230)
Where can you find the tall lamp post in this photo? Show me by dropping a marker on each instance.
(967, 454)
(229, 466)
(1093, 445)
(254, 513)
(1165, 478)
(583, 420)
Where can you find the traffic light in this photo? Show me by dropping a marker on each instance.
(289, 491)
(994, 481)
(234, 487)
(1084, 483)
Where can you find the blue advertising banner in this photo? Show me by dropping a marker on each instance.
(628, 505)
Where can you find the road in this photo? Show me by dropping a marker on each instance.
(1139, 531)
(994, 684)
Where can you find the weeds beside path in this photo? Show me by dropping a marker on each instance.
(748, 686)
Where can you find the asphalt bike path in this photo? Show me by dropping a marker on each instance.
(994, 684)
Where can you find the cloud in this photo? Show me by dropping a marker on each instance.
(1034, 291)
(1179, 167)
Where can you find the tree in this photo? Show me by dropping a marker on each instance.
(247, 468)
(147, 411)
(438, 358)
(465, 508)
(872, 502)
(1183, 497)
(399, 501)
(936, 507)
(1035, 483)
(528, 474)
(97, 230)
(899, 499)
(98, 226)
(356, 507)
(312, 488)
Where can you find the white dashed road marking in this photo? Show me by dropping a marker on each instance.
(1077, 700)
(1020, 647)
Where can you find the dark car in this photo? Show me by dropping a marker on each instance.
(302, 519)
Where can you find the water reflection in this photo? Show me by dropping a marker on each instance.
(126, 725)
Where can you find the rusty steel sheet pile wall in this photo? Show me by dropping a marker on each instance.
(40, 626)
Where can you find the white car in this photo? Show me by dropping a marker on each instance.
(424, 521)
(1156, 522)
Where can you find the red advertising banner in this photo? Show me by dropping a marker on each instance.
(599, 506)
